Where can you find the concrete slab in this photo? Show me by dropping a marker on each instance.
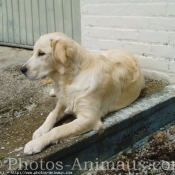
(10, 56)
(122, 129)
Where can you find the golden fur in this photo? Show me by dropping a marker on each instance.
(87, 85)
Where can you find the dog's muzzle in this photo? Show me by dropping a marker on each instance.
(23, 69)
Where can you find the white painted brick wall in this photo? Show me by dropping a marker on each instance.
(144, 27)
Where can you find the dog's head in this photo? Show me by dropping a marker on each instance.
(51, 53)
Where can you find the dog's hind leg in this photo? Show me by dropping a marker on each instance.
(52, 118)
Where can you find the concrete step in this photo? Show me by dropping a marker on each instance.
(122, 129)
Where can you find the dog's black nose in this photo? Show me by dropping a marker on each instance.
(23, 69)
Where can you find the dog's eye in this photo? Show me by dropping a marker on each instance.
(41, 54)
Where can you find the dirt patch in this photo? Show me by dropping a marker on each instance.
(25, 104)
(152, 86)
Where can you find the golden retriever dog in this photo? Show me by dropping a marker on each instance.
(86, 85)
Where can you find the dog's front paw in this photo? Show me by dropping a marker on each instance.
(40, 131)
(33, 147)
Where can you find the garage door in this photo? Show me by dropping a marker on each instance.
(23, 21)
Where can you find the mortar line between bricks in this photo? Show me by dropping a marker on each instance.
(134, 42)
(125, 3)
(128, 29)
(134, 16)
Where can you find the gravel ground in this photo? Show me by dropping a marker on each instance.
(25, 104)
(155, 157)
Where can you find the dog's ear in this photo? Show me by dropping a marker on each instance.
(62, 51)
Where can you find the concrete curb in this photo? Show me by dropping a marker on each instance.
(122, 129)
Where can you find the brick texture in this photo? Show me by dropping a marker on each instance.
(146, 28)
